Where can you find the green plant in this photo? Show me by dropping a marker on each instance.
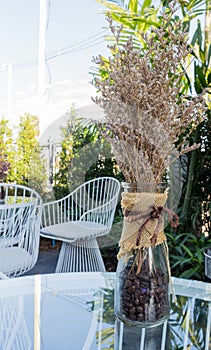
(84, 155)
(7, 147)
(4, 167)
(186, 254)
(27, 165)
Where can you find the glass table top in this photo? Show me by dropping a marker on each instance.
(75, 311)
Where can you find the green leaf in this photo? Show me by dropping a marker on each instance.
(191, 238)
(187, 250)
(123, 19)
(200, 256)
(146, 4)
(176, 257)
(181, 262)
(209, 55)
(209, 78)
(189, 273)
(200, 74)
(133, 6)
(194, 38)
(143, 19)
(202, 56)
(197, 37)
(111, 6)
(197, 86)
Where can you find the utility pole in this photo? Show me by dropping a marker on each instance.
(42, 46)
(7, 67)
(9, 90)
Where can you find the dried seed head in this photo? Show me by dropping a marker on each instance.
(145, 113)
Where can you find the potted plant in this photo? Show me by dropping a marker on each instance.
(147, 121)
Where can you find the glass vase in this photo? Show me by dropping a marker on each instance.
(142, 276)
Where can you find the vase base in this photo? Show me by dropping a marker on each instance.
(147, 324)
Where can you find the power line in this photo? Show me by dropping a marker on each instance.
(84, 44)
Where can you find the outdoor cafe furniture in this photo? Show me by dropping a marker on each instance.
(76, 311)
(20, 214)
(78, 219)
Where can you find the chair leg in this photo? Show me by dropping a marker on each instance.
(80, 256)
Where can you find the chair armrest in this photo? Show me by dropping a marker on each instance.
(60, 211)
(103, 214)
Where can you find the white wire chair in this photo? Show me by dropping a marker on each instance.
(78, 219)
(20, 215)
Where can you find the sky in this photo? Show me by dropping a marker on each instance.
(75, 33)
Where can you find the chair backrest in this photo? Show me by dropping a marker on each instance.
(19, 203)
(94, 200)
(94, 194)
(20, 220)
(97, 200)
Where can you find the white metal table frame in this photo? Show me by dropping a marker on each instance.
(191, 290)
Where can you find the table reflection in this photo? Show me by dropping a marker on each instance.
(13, 329)
(76, 311)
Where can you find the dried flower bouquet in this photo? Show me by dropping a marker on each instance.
(146, 114)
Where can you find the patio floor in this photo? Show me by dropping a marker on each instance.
(47, 258)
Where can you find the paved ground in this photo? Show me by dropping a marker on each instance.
(47, 259)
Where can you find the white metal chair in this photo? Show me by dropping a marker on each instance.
(78, 219)
(20, 215)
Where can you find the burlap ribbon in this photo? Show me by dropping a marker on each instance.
(143, 224)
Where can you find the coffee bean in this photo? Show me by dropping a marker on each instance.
(131, 290)
(139, 309)
(144, 284)
(129, 305)
(131, 276)
(128, 283)
(160, 281)
(157, 299)
(132, 310)
(137, 283)
(145, 278)
(126, 297)
(159, 290)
